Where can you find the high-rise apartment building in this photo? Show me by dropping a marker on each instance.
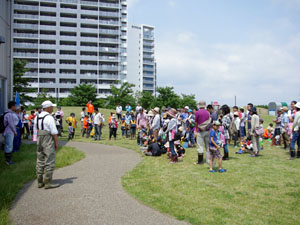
(70, 42)
(141, 59)
(5, 54)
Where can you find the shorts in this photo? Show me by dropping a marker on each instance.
(214, 153)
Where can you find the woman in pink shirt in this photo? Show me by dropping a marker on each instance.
(142, 119)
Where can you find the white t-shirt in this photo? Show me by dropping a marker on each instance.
(237, 122)
(119, 109)
(82, 115)
(49, 123)
(97, 119)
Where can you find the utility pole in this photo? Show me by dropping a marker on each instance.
(235, 100)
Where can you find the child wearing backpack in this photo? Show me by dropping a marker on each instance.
(133, 127)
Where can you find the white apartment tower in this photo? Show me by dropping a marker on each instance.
(70, 42)
(141, 59)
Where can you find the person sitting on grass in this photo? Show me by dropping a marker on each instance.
(153, 150)
(113, 125)
(269, 132)
(71, 130)
(214, 148)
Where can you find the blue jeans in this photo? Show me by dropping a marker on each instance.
(9, 143)
(296, 138)
(225, 146)
(172, 149)
(97, 132)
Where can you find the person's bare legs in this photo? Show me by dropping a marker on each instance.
(211, 164)
(220, 163)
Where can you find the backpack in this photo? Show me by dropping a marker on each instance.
(2, 126)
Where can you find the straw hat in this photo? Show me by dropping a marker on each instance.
(236, 114)
(150, 113)
(156, 109)
(297, 105)
(285, 108)
(202, 104)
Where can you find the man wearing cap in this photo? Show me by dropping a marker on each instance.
(155, 125)
(202, 125)
(47, 144)
(284, 127)
(296, 132)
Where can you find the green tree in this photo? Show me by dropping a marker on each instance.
(41, 97)
(146, 99)
(81, 94)
(122, 95)
(188, 100)
(167, 97)
(21, 84)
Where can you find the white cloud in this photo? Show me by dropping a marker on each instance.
(257, 72)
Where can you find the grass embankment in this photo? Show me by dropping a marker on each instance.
(14, 177)
(263, 190)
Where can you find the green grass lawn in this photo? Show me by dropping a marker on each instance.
(14, 177)
(263, 190)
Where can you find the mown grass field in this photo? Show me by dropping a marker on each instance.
(14, 177)
(262, 190)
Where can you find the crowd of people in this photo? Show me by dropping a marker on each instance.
(169, 131)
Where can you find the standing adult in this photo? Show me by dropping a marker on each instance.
(213, 114)
(142, 121)
(296, 132)
(202, 124)
(97, 124)
(82, 116)
(18, 122)
(10, 131)
(277, 133)
(128, 108)
(137, 109)
(119, 111)
(285, 127)
(90, 107)
(171, 131)
(61, 113)
(249, 107)
(47, 145)
(253, 133)
(226, 121)
(155, 125)
(25, 122)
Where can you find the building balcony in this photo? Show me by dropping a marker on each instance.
(109, 40)
(106, 31)
(148, 56)
(109, 76)
(31, 65)
(48, 36)
(88, 67)
(149, 62)
(109, 58)
(47, 56)
(48, 65)
(46, 27)
(69, 1)
(148, 50)
(48, 18)
(26, 16)
(25, 45)
(23, 54)
(109, 14)
(109, 5)
(89, 12)
(88, 3)
(88, 48)
(103, 86)
(107, 49)
(68, 47)
(89, 20)
(47, 75)
(30, 74)
(88, 76)
(47, 9)
(26, 7)
(64, 56)
(109, 22)
(66, 75)
(150, 44)
(68, 38)
(67, 66)
(109, 68)
(45, 46)
(148, 82)
(89, 30)
(25, 35)
(89, 57)
(25, 26)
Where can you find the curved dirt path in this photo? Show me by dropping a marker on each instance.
(91, 193)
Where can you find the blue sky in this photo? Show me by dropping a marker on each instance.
(216, 49)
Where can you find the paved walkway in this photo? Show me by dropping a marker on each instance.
(91, 193)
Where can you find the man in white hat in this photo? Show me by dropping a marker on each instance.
(296, 132)
(155, 125)
(47, 144)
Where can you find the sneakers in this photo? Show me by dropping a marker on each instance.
(222, 170)
(9, 163)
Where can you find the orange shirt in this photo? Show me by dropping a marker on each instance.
(85, 123)
(31, 118)
(109, 119)
(90, 108)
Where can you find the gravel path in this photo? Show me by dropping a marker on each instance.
(91, 193)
